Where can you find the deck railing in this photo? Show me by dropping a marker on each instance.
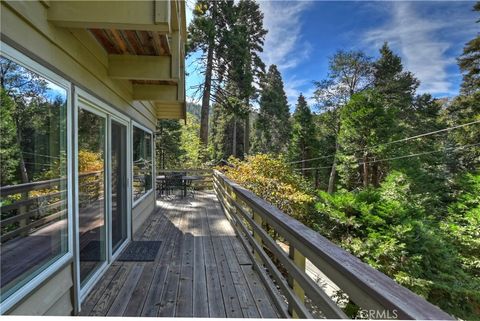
(206, 181)
(31, 206)
(283, 271)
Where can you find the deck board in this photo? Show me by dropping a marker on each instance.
(201, 270)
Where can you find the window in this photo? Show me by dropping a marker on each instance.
(142, 163)
(33, 174)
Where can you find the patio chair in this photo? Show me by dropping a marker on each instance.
(174, 181)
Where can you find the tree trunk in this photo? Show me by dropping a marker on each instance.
(206, 98)
(246, 134)
(234, 139)
(333, 171)
(375, 176)
(365, 170)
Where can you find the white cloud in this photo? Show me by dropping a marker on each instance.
(420, 44)
(284, 45)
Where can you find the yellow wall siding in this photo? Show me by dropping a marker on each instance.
(53, 297)
(141, 212)
(76, 56)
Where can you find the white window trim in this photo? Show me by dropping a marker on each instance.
(66, 258)
(150, 191)
(85, 100)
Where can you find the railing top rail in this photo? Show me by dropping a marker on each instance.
(374, 283)
(26, 187)
(208, 170)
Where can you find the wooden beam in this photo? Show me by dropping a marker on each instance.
(176, 54)
(164, 93)
(151, 15)
(163, 13)
(175, 15)
(139, 67)
(174, 110)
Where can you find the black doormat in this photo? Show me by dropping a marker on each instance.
(140, 251)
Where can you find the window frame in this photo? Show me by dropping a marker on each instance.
(66, 258)
(147, 193)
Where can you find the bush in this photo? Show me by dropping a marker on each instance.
(272, 179)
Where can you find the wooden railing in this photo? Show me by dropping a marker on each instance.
(31, 206)
(206, 181)
(264, 231)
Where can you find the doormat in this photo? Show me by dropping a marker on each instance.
(140, 251)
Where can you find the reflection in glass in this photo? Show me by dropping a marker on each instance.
(91, 187)
(33, 175)
(142, 162)
(119, 184)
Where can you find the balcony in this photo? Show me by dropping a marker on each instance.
(201, 269)
(228, 253)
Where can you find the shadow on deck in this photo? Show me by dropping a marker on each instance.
(201, 269)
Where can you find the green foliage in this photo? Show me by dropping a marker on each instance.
(272, 125)
(168, 147)
(389, 229)
(366, 124)
(302, 143)
(469, 63)
(194, 151)
(270, 178)
(8, 148)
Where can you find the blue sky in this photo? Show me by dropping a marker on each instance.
(428, 35)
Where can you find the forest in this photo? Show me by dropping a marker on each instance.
(387, 173)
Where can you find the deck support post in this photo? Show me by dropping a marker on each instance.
(299, 261)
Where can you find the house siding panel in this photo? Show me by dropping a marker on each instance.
(76, 56)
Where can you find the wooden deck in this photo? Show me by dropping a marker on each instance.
(201, 269)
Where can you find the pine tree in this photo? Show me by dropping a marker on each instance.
(272, 127)
(208, 34)
(396, 85)
(366, 123)
(302, 143)
(469, 62)
(246, 67)
(349, 73)
(168, 144)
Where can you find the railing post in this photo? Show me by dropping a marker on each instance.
(258, 219)
(299, 261)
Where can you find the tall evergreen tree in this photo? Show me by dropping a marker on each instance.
(466, 108)
(246, 67)
(469, 62)
(208, 34)
(396, 85)
(272, 127)
(349, 73)
(168, 144)
(366, 124)
(302, 143)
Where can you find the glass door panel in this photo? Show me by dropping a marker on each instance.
(119, 184)
(91, 187)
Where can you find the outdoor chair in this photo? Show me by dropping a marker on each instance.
(174, 181)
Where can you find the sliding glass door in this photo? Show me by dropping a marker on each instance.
(104, 194)
(92, 190)
(118, 150)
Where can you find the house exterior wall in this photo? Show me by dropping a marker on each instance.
(76, 56)
(53, 297)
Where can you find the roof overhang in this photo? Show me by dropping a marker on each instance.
(145, 43)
